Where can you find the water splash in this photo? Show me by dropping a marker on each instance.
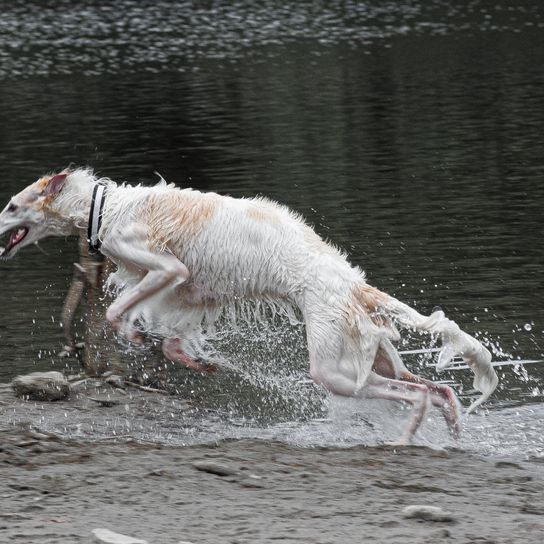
(262, 391)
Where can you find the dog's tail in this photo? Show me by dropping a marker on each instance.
(455, 342)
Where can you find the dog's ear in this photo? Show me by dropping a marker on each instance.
(54, 185)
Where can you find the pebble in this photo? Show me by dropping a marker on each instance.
(106, 401)
(251, 483)
(214, 468)
(47, 386)
(116, 381)
(426, 513)
(105, 536)
(439, 535)
(13, 515)
(508, 464)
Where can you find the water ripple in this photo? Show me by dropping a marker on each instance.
(38, 38)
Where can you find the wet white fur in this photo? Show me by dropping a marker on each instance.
(280, 263)
(185, 258)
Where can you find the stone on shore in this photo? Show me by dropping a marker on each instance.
(214, 468)
(105, 536)
(46, 386)
(426, 513)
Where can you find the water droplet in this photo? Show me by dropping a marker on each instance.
(528, 327)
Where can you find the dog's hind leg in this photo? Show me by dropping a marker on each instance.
(389, 365)
(172, 350)
(455, 341)
(347, 372)
(414, 393)
(443, 397)
(338, 382)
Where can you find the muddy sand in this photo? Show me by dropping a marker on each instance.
(57, 490)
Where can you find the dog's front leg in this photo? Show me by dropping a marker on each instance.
(161, 269)
(172, 349)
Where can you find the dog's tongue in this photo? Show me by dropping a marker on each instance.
(15, 238)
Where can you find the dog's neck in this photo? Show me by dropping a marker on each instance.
(73, 203)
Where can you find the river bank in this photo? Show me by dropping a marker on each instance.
(56, 490)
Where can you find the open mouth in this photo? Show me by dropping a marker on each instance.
(15, 238)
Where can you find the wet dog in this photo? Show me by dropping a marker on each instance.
(184, 257)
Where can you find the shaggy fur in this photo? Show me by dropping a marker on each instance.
(184, 258)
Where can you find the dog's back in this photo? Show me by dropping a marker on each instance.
(244, 247)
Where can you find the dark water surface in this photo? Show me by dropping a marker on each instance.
(409, 133)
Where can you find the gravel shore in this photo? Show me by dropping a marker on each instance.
(247, 491)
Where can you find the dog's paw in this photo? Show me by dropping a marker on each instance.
(132, 336)
(205, 368)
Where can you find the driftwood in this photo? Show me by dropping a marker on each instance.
(98, 348)
(99, 353)
(147, 389)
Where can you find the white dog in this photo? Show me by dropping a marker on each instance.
(183, 257)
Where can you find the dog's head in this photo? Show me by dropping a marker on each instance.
(27, 216)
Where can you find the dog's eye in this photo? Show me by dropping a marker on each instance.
(12, 207)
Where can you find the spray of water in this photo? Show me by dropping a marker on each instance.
(262, 390)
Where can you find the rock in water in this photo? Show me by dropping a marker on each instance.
(426, 513)
(41, 386)
(105, 536)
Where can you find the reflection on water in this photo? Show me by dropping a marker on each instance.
(51, 37)
(409, 133)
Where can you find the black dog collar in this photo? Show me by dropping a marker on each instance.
(95, 218)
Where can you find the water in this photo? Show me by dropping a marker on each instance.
(408, 133)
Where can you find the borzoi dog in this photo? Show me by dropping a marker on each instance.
(183, 255)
